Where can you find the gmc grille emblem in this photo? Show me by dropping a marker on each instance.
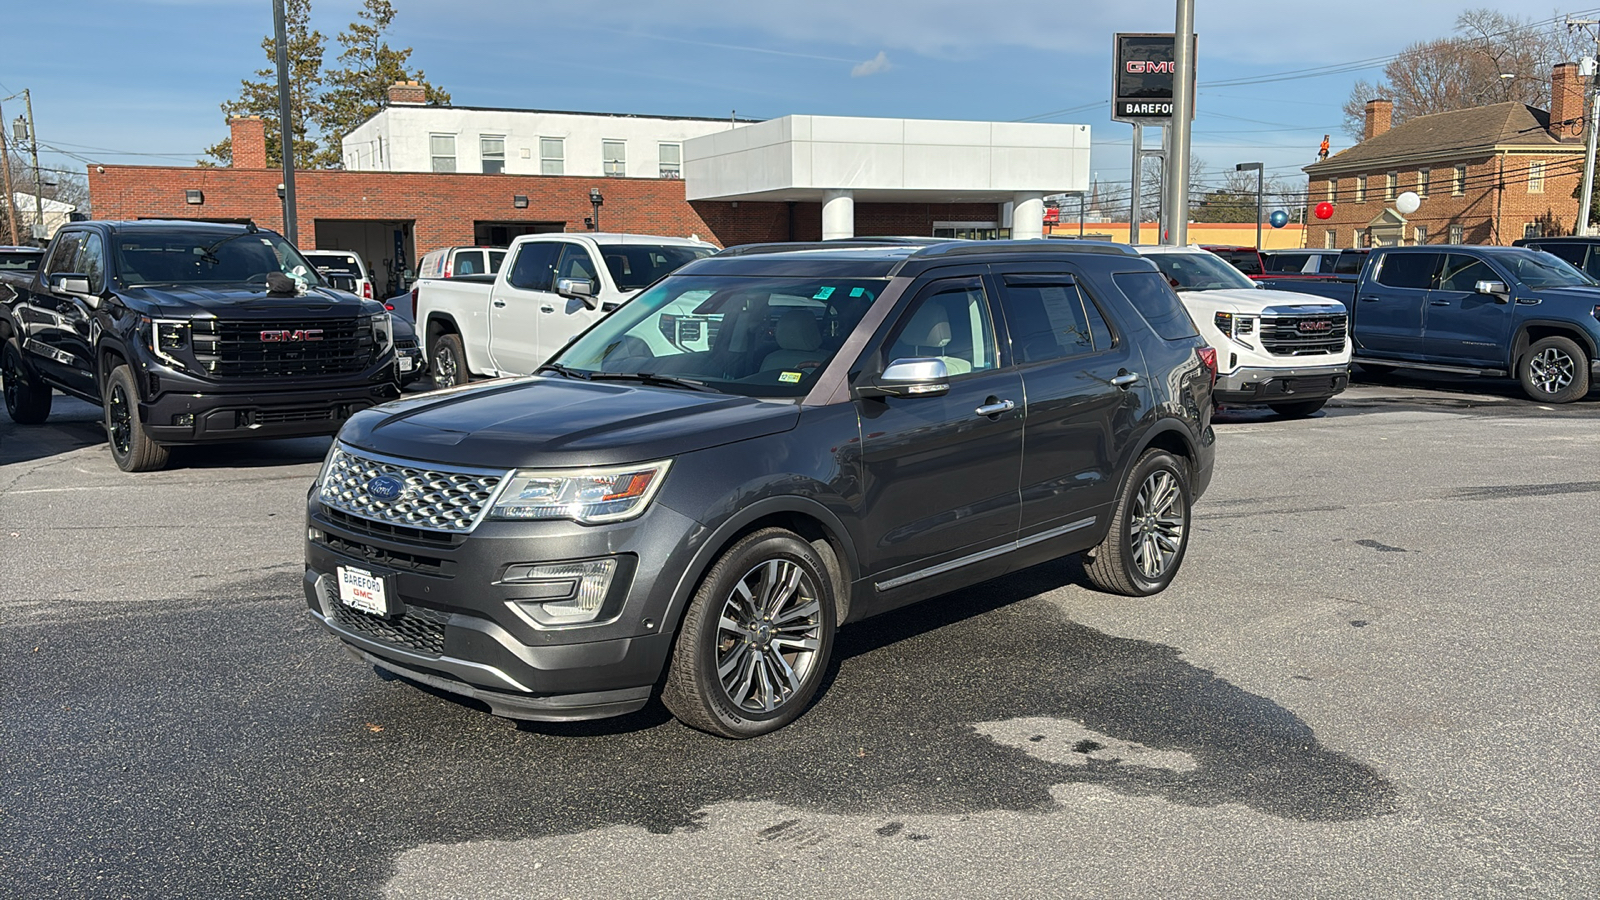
(296, 335)
(1315, 327)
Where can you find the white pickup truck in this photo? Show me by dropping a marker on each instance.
(550, 288)
(1286, 351)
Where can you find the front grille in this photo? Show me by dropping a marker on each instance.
(285, 416)
(405, 344)
(1303, 335)
(418, 628)
(391, 559)
(265, 348)
(439, 500)
(388, 531)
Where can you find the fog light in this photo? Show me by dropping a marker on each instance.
(561, 593)
(184, 419)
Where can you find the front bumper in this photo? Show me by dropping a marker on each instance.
(181, 409)
(455, 625)
(1281, 385)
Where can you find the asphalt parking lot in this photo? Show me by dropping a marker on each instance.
(1376, 676)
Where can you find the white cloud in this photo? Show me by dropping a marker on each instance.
(873, 66)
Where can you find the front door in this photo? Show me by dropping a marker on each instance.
(940, 474)
(1463, 325)
(568, 317)
(1391, 307)
(517, 304)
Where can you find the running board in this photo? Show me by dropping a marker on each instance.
(982, 555)
(1432, 367)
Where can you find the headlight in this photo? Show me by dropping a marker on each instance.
(1233, 326)
(165, 337)
(383, 332)
(327, 461)
(589, 496)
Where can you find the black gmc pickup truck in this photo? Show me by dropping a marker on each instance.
(189, 332)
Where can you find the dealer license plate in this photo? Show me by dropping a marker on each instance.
(362, 590)
(406, 363)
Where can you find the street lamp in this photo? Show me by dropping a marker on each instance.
(1080, 196)
(1261, 184)
(596, 201)
(283, 206)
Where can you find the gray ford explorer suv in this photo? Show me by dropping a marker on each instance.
(767, 444)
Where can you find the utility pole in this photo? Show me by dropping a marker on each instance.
(1177, 182)
(5, 167)
(285, 124)
(1592, 102)
(38, 186)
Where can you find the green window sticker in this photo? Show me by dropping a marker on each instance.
(790, 377)
(856, 292)
(822, 293)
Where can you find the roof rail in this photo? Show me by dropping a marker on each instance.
(936, 246)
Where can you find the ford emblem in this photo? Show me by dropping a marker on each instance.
(385, 487)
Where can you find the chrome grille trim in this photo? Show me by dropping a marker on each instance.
(452, 501)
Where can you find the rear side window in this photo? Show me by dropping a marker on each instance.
(1408, 270)
(1049, 318)
(1246, 261)
(1349, 263)
(1155, 301)
(1572, 253)
(469, 262)
(496, 257)
(534, 266)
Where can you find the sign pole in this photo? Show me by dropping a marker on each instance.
(1136, 207)
(1177, 204)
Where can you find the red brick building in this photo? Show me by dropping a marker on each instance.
(391, 218)
(1487, 175)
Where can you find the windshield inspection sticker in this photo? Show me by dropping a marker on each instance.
(822, 293)
(790, 377)
(856, 292)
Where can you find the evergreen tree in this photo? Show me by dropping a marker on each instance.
(369, 66)
(260, 97)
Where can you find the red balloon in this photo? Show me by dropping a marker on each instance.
(1324, 210)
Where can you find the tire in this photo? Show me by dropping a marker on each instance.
(730, 675)
(447, 361)
(131, 447)
(1554, 370)
(27, 399)
(1297, 410)
(1149, 530)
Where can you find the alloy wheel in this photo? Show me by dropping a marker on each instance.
(444, 369)
(1156, 524)
(11, 375)
(120, 417)
(768, 636)
(1551, 370)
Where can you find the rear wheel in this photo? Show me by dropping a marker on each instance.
(131, 446)
(756, 639)
(447, 361)
(1149, 530)
(1297, 410)
(27, 400)
(1554, 370)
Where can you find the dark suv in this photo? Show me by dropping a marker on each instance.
(762, 446)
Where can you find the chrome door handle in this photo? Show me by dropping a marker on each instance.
(995, 408)
(1438, 302)
(548, 309)
(1125, 379)
(499, 303)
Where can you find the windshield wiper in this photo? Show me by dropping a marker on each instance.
(563, 371)
(655, 379)
(209, 253)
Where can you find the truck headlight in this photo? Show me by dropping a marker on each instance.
(165, 337)
(587, 496)
(383, 332)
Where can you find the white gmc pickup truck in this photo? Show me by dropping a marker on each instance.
(1285, 351)
(550, 288)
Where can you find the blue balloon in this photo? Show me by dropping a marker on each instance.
(1279, 218)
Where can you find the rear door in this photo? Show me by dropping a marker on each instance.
(516, 304)
(1075, 375)
(1391, 305)
(1464, 326)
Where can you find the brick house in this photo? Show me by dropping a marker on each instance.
(1485, 175)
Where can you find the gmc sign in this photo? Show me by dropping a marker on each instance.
(1141, 82)
(295, 336)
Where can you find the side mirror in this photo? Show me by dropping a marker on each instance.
(72, 283)
(581, 288)
(909, 378)
(1495, 289)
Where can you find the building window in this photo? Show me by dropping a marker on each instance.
(1327, 239)
(615, 157)
(1455, 234)
(1361, 188)
(1422, 235)
(492, 150)
(1536, 178)
(552, 156)
(1389, 183)
(1423, 177)
(671, 160)
(443, 147)
(1458, 182)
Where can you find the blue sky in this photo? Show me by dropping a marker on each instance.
(139, 81)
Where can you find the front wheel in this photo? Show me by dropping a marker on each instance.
(1297, 410)
(447, 361)
(756, 639)
(1149, 530)
(27, 400)
(131, 446)
(1554, 370)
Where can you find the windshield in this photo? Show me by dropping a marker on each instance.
(325, 261)
(1199, 271)
(761, 337)
(633, 266)
(1545, 270)
(208, 257)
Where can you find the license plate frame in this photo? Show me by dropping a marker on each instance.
(366, 591)
(407, 364)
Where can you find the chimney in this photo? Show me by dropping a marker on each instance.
(407, 93)
(249, 142)
(1566, 103)
(1379, 114)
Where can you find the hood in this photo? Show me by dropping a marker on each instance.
(243, 301)
(539, 422)
(1585, 296)
(1256, 301)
